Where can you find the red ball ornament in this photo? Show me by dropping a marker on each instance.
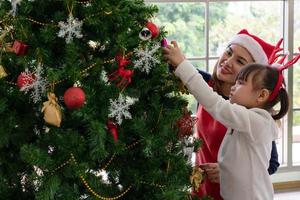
(74, 97)
(153, 28)
(25, 79)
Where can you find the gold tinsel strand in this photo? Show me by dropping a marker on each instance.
(61, 166)
(47, 24)
(86, 184)
(108, 163)
(101, 197)
(81, 72)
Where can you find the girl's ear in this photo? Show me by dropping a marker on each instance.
(263, 95)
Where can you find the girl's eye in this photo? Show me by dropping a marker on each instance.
(228, 52)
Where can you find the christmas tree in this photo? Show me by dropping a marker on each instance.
(89, 110)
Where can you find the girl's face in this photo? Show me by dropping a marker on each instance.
(230, 63)
(243, 93)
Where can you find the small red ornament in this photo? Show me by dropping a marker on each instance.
(153, 28)
(24, 79)
(20, 48)
(74, 97)
(112, 129)
(186, 124)
(124, 75)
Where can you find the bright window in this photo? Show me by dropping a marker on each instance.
(296, 89)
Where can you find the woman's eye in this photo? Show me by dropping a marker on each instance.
(241, 62)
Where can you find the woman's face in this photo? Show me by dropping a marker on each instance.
(231, 62)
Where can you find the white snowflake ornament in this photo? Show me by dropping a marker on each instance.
(146, 58)
(14, 4)
(188, 149)
(37, 183)
(104, 78)
(84, 196)
(70, 29)
(119, 108)
(35, 86)
(50, 149)
(24, 181)
(38, 170)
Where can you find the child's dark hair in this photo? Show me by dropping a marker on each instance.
(265, 76)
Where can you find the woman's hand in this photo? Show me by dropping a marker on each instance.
(212, 170)
(172, 54)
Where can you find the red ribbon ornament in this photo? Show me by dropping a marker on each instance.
(121, 73)
(112, 128)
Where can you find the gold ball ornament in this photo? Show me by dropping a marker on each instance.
(2, 72)
(52, 111)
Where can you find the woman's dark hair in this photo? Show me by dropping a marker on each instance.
(216, 83)
(265, 76)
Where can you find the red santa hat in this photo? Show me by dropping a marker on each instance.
(259, 49)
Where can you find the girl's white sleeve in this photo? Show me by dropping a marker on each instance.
(230, 115)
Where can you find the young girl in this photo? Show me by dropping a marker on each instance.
(242, 49)
(246, 148)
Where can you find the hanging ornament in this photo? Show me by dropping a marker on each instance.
(147, 58)
(124, 75)
(153, 28)
(3, 34)
(14, 4)
(20, 48)
(145, 34)
(33, 82)
(185, 124)
(149, 32)
(25, 78)
(196, 178)
(52, 111)
(74, 97)
(112, 128)
(2, 72)
(119, 108)
(164, 42)
(70, 29)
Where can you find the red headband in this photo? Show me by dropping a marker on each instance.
(274, 56)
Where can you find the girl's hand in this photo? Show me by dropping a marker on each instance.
(172, 54)
(212, 170)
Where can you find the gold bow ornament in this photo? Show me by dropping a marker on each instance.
(2, 72)
(196, 178)
(52, 111)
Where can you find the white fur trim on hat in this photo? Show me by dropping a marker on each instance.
(252, 46)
